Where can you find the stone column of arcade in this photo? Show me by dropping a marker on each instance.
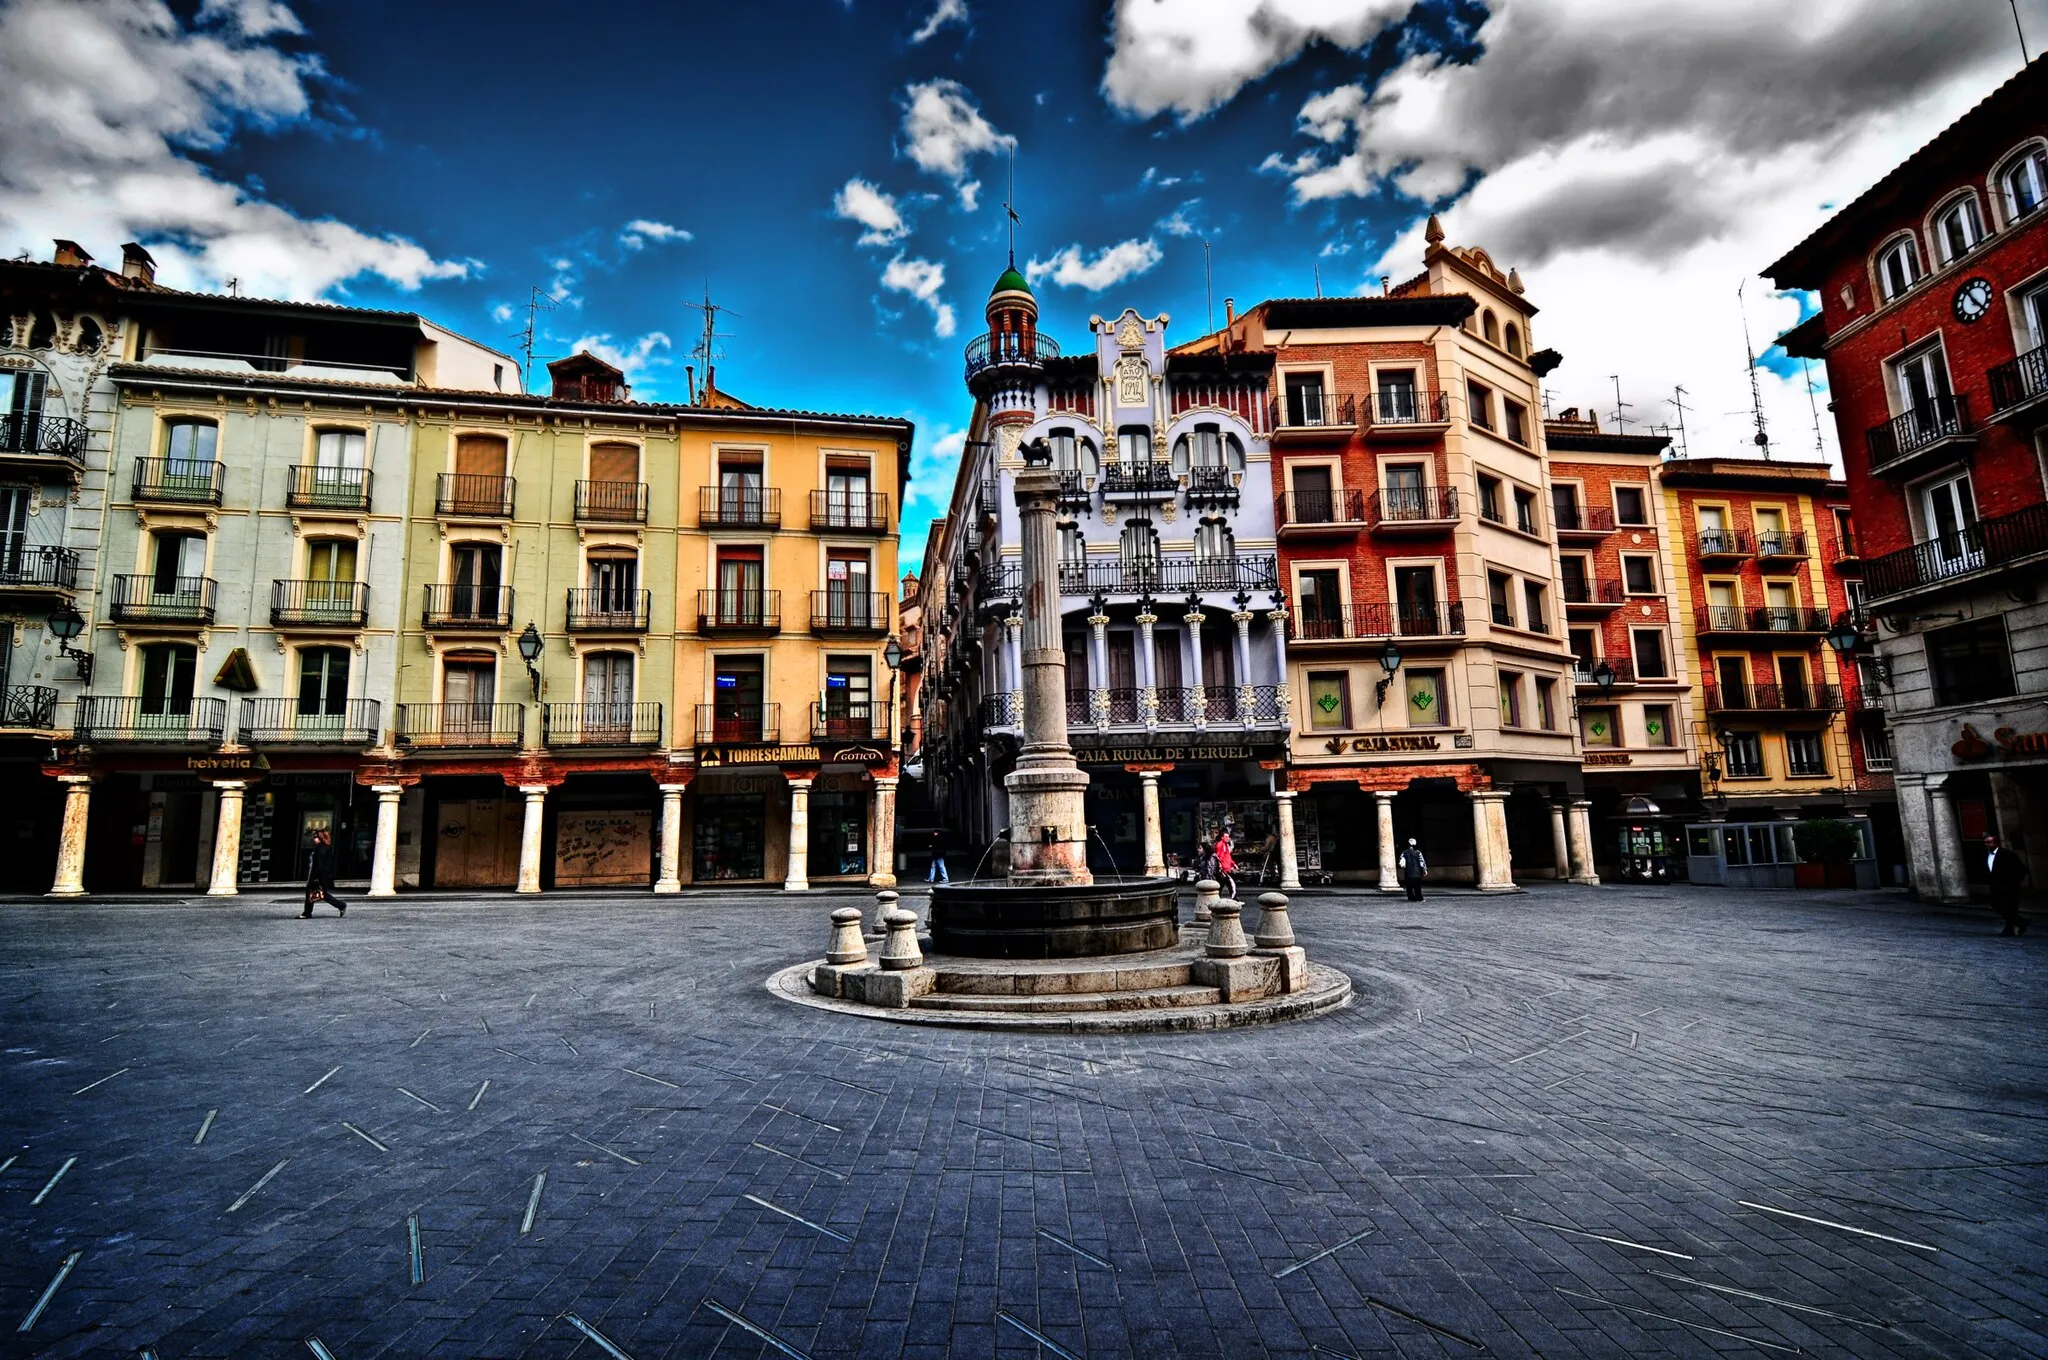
(1048, 823)
(1581, 836)
(1948, 845)
(1390, 857)
(1290, 867)
(884, 868)
(529, 837)
(1495, 868)
(384, 850)
(70, 878)
(671, 876)
(1155, 851)
(1560, 848)
(798, 879)
(227, 841)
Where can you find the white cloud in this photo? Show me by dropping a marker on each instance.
(1191, 58)
(1152, 179)
(634, 358)
(1178, 222)
(943, 131)
(945, 12)
(641, 232)
(970, 195)
(1111, 265)
(865, 203)
(921, 279)
(502, 312)
(102, 98)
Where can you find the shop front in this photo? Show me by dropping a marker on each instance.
(1204, 782)
(744, 799)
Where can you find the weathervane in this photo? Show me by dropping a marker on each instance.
(1010, 206)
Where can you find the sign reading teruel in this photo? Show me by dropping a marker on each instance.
(1095, 748)
(713, 756)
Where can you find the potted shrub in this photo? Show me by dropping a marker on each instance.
(1825, 851)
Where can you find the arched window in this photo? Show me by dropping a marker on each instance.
(1214, 542)
(1181, 459)
(1898, 266)
(1514, 334)
(1957, 229)
(1134, 446)
(2024, 183)
(1073, 558)
(1233, 452)
(42, 331)
(1065, 451)
(90, 336)
(1138, 550)
(1490, 328)
(1207, 446)
(1091, 462)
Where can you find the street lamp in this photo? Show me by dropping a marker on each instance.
(66, 623)
(529, 650)
(1603, 676)
(892, 657)
(1845, 637)
(1390, 661)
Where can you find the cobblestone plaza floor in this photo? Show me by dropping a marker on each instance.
(1595, 1122)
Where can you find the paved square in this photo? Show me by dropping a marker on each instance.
(1570, 1122)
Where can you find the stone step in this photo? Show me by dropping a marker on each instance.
(1140, 999)
(998, 980)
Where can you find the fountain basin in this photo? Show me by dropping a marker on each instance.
(1035, 921)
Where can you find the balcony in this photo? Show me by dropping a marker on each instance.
(1300, 514)
(2019, 388)
(739, 507)
(1304, 416)
(610, 611)
(1722, 543)
(1780, 550)
(1139, 479)
(1174, 707)
(1395, 410)
(1590, 595)
(178, 481)
(739, 724)
(319, 604)
(1623, 670)
(1167, 575)
(183, 600)
(1845, 554)
(460, 727)
(849, 512)
(1374, 622)
(1000, 711)
(1933, 433)
(464, 607)
(1212, 486)
(28, 707)
(284, 722)
(1414, 509)
(161, 721)
(28, 438)
(1582, 522)
(38, 570)
(611, 502)
(1073, 493)
(849, 722)
(474, 495)
(739, 611)
(840, 611)
(1001, 348)
(600, 724)
(1984, 548)
(1731, 619)
(1773, 699)
(317, 486)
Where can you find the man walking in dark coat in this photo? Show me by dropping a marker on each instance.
(1413, 866)
(320, 875)
(2006, 871)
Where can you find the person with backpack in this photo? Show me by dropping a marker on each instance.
(1413, 866)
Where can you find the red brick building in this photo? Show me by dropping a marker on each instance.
(1933, 322)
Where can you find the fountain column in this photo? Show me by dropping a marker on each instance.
(1048, 823)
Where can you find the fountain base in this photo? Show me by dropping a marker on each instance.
(1043, 921)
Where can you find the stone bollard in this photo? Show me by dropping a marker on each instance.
(1206, 893)
(885, 902)
(1275, 932)
(1226, 933)
(847, 947)
(900, 950)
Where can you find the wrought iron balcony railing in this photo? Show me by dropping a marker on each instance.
(1773, 699)
(1936, 422)
(476, 495)
(191, 481)
(2021, 380)
(28, 706)
(1000, 710)
(461, 726)
(841, 611)
(1408, 406)
(603, 610)
(318, 486)
(1416, 506)
(1138, 479)
(601, 723)
(739, 724)
(1212, 486)
(288, 722)
(159, 599)
(1780, 547)
(38, 568)
(834, 721)
(325, 604)
(1167, 575)
(164, 720)
(462, 606)
(739, 611)
(1379, 621)
(1319, 510)
(1314, 410)
(1721, 618)
(1593, 593)
(739, 507)
(43, 436)
(1009, 347)
(1723, 543)
(1987, 546)
(850, 512)
(1623, 669)
(612, 502)
(1575, 519)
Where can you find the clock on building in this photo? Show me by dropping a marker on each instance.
(1973, 299)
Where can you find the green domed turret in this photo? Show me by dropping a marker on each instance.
(1010, 282)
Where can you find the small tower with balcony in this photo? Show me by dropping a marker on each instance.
(1005, 365)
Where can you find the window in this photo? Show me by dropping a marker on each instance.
(1314, 495)
(335, 449)
(180, 565)
(1215, 555)
(846, 493)
(1957, 230)
(1304, 398)
(469, 688)
(1970, 662)
(1517, 420)
(1877, 747)
(741, 601)
(1845, 533)
(1580, 640)
(739, 488)
(1770, 531)
(1564, 505)
(2034, 309)
(1479, 399)
(1639, 575)
(1804, 755)
(1426, 698)
(1329, 700)
(1546, 703)
(1510, 698)
(615, 583)
(1792, 689)
(1949, 518)
(1138, 548)
(474, 575)
(1322, 603)
(1489, 498)
(1134, 446)
(1649, 649)
(1415, 596)
(1657, 725)
(2025, 184)
(1630, 506)
(1397, 397)
(1745, 755)
(189, 453)
(1065, 450)
(1577, 583)
(1898, 267)
(1073, 555)
(736, 688)
(167, 671)
(607, 696)
(323, 685)
(1489, 326)
(1404, 498)
(848, 602)
(849, 698)
(1525, 511)
(1597, 727)
(1207, 443)
(1499, 593)
(1537, 616)
(1514, 339)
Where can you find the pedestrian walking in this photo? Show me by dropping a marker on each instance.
(320, 876)
(936, 873)
(1226, 863)
(2006, 870)
(1413, 867)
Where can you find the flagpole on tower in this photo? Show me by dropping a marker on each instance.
(1010, 207)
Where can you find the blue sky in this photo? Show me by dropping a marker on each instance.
(813, 163)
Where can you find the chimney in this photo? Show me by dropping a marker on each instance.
(71, 253)
(1230, 311)
(137, 263)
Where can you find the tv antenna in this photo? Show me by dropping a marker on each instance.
(1620, 406)
(536, 303)
(706, 351)
(1813, 403)
(234, 287)
(1678, 396)
(1547, 396)
(1208, 285)
(1761, 438)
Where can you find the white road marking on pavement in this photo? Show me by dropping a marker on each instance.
(49, 1293)
(595, 1335)
(1284, 1272)
(204, 1125)
(319, 1348)
(1600, 1237)
(823, 1170)
(778, 1209)
(608, 1151)
(1421, 1321)
(1040, 1337)
(1547, 1047)
(533, 1204)
(649, 1076)
(1830, 1223)
(836, 1129)
(364, 1136)
(423, 1034)
(422, 1100)
(1766, 1298)
(777, 1342)
(1666, 1317)
(247, 1194)
(69, 1162)
(1084, 1255)
(322, 1082)
(412, 1237)
(479, 1094)
(101, 1082)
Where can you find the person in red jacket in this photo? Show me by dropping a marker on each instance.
(1226, 863)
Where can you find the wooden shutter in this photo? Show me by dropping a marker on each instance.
(480, 455)
(614, 463)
